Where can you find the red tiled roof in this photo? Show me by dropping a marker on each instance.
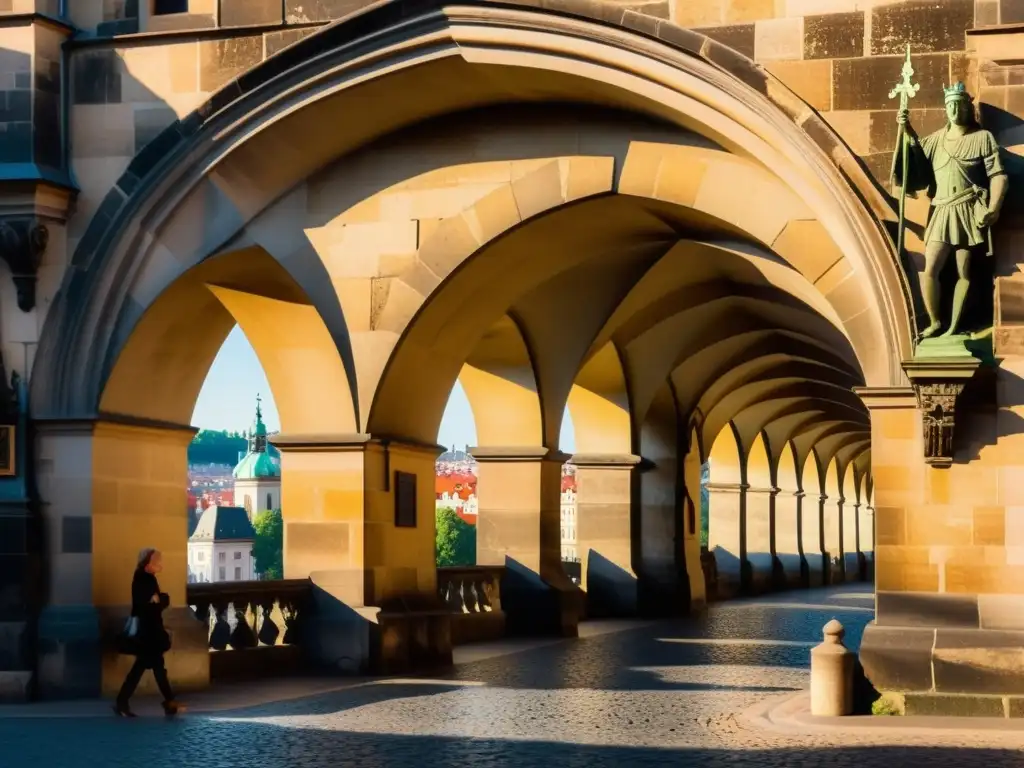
(461, 485)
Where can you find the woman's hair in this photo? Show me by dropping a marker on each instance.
(145, 555)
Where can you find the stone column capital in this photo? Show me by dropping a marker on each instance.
(23, 241)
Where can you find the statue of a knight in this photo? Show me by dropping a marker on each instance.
(960, 169)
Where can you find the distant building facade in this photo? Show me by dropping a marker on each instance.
(568, 514)
(456, 484)
(220, 548)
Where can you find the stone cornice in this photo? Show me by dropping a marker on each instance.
(88, 424)
(877, 398)
(193, 33)
(607, 460)
(496, 454)
(25, 19)
(348, 441)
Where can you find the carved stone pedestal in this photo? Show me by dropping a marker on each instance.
(938, 383)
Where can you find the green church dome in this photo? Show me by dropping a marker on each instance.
(256, 464)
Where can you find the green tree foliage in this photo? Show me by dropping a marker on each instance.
(455, 542)
(217, 446)
(269, 547)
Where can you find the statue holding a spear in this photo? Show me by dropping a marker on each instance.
(960, 169)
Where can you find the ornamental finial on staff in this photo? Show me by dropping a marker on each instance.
(906, 90)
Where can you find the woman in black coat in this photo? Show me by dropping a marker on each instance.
(151, 640)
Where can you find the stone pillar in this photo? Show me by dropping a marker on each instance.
(692, 523)
(519, 527)
(832, 532)
(359, 523)
(606, 494)
(662, 567)
(759, 544)
(867, 540)
(812, 510)
(949, 620)
(108, 488)
(852, 557)
(725, 536)
(786, 525)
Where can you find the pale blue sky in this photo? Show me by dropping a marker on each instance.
(228, 399)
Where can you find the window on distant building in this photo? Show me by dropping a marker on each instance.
(238, 574)
(221, 576)
(238, 555)
(162, 7)
(200, 556)
(221, 557)
(270, 502)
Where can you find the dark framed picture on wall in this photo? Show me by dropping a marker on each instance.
(7, 468)
(405, 499)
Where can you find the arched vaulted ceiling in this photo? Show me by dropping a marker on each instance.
(642, 218)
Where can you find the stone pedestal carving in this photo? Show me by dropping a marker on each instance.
(23, 241)
(938, 384)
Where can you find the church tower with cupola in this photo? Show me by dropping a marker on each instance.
(257, 477)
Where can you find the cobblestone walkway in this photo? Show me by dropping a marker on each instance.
(657, 695)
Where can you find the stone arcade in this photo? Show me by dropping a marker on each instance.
(673, 218)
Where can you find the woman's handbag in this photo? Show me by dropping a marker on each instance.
(127, 640)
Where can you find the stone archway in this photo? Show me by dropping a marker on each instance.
(681, 162)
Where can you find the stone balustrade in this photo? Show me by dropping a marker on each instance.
(474, 596)
(254, 626)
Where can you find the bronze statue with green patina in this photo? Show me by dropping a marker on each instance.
(960, 169)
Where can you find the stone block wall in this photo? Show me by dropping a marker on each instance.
(843, 56)
(30, 83)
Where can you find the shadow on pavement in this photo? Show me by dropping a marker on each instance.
(180, 744)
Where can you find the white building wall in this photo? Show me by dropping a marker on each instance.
(259, 492)
(200, 562)
(221, 561)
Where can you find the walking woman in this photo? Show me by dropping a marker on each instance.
(151, 640)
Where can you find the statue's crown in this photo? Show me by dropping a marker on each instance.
(956, 91)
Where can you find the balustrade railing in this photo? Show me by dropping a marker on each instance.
(474, 596)
(250, 621)
(471, 589)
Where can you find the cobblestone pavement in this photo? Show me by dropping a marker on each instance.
(659, 694)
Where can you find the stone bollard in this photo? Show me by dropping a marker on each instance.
(832, 674)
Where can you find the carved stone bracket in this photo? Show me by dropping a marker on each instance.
(938, 385)
(23, 241)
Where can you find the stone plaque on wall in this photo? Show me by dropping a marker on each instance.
(7, 468)
(405, 500)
